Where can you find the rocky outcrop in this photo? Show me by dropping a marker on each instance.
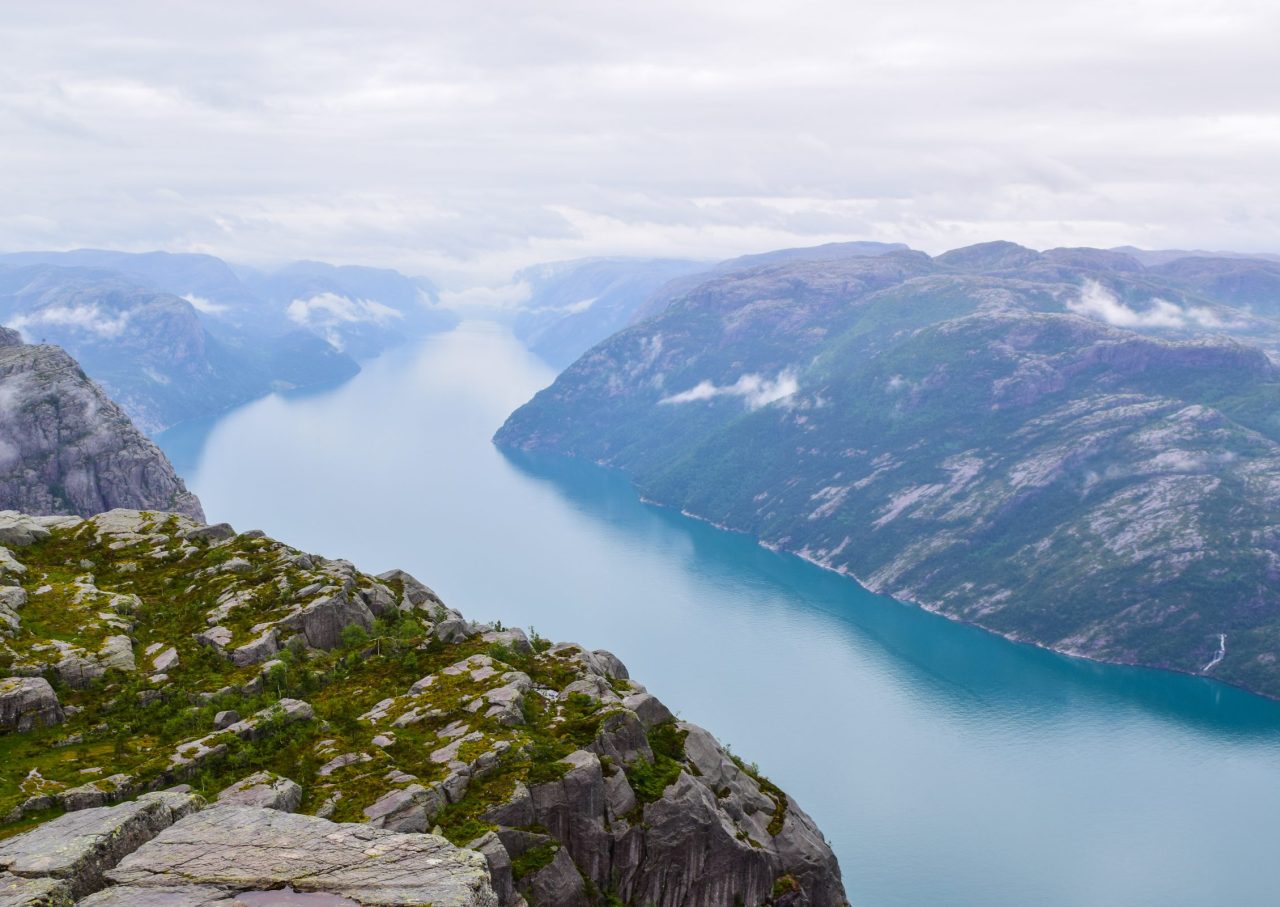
(547, 766)
(67, 448)
(15, 891)
(248, 849)
(27, 702)
(80, 847)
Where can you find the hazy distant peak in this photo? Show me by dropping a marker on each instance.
(826, 252)
(999, 255)
(1095, 259)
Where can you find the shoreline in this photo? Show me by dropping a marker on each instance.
(938, 610)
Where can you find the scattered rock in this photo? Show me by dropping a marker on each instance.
(215, 637)
(166, 661)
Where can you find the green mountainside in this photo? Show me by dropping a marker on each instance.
(1068, 448)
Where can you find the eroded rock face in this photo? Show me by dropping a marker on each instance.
(80, 847)
(68, 448)
(245, 849)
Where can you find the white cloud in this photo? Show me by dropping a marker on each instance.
(501, 297)
(1097, 302)
(754, 390)
(464, 144)
(88, 318)
(205, 306)
(327, 309)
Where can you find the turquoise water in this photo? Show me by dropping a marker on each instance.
(946, 766)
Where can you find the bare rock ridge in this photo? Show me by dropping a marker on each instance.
(67, 448)
(191, 714)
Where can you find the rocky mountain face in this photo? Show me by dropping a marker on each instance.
(66, 448)
(189, 715)
(178, 336)
(1070, 448)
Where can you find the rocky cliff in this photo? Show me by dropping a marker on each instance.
(66, 448)
(1066, 447)
(264, 718)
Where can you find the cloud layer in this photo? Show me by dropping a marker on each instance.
(464, 141)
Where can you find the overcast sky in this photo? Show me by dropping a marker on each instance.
(461, 140)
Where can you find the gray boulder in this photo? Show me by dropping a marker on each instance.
(265, 790)
(416, 594)
(648, 709)
(16, 891)
(18, 529)
(79, 847)
(217, 532)
(27, 702)
(246, 849)
(323, 621)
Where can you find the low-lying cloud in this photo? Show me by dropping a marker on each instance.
(87, 318)
(755, 390)
(330, 308)
(1099, 303)
(205, 306)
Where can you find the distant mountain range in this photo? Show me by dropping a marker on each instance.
(1073, 448)
(573, 305)
(177, 336)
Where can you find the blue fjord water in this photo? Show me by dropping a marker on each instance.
(945, 765)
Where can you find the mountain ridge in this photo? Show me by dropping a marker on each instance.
(925, 424)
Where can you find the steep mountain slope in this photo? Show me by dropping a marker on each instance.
(145, 650)
(66, 448)
(573, 305)
(1066, 447)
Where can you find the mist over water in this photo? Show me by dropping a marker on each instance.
(947, 766)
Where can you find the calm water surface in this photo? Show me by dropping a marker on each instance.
(947, 766)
